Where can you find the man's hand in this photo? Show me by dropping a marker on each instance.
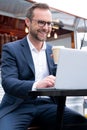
(49, 81)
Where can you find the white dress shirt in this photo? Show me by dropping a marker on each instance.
(40, 62)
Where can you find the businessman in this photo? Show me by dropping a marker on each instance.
(27, 64)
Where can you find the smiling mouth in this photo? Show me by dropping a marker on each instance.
(43, 33)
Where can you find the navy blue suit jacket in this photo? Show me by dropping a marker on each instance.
(18, 73)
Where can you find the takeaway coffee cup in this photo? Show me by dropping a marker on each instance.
(55, 50)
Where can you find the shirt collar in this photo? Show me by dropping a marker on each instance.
(32, 46)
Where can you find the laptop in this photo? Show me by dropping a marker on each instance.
(71, 71)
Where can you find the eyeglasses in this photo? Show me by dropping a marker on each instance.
(42, 23)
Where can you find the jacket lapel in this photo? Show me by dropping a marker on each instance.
(49, 58)
(27, 54)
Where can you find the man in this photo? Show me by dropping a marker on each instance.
(27, 64)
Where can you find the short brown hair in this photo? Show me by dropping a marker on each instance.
(34, 6)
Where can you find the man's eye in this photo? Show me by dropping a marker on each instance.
(41, 22)
(49, 23)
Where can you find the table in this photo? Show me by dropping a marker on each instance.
(60, 96)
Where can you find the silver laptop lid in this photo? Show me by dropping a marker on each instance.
(71, 69)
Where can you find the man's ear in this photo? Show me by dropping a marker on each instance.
(27, 22)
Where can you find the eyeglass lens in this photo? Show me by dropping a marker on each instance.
(42, 23)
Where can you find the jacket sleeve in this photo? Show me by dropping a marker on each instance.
(17, 78)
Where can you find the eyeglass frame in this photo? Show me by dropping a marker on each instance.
(42, 23)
